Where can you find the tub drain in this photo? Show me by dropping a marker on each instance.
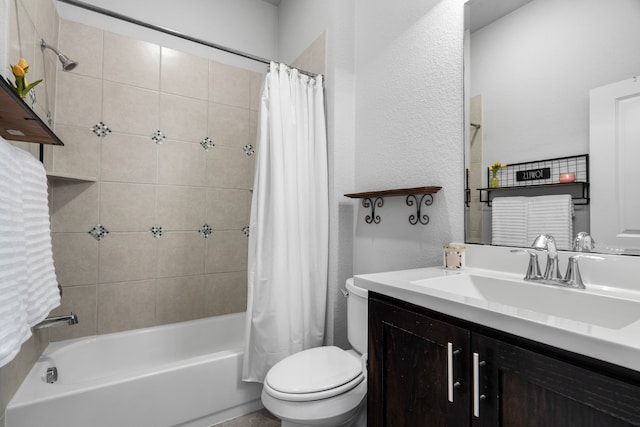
(52, 375)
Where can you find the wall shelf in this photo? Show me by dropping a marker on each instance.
(579, 191)
(77, 178)
(541, 177)
(18, 122)
(414, 196)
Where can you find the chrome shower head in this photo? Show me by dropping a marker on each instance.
(67, 63)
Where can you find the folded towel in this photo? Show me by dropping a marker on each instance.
(552, 215)
(509, 221)
(14, 329)
(517, 221)
(28, 286)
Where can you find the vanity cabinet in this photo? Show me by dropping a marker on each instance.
(422, 366)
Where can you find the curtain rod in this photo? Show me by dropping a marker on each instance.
(171, 32)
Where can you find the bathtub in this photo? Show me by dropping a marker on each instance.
(183, 374)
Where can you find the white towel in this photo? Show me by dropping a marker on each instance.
(509, 221)
(551, 215)
(14, 329)
(28, 287)
(43, 293)
(517, 221)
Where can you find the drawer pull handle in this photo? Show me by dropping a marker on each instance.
(450, 383)
(477, 363)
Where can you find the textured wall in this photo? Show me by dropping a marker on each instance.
(409, 127)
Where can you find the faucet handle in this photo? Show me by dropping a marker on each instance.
(583, 242)
(572, 278)
(533, 270)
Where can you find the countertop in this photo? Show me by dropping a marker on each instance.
(618, 345)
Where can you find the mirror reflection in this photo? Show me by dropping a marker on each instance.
(530, 66)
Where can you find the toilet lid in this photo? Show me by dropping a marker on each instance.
(314, 370)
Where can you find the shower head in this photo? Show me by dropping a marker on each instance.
(67, 63)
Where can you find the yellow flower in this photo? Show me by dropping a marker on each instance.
(21, 86)
(18, 71)
(496, 166)
(23, 63)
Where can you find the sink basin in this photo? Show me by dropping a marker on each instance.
(534, 299)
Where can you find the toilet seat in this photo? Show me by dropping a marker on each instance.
(314, 374)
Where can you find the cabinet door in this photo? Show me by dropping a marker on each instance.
(410, 380)
(524, 388)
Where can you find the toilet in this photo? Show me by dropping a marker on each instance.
(324, 386)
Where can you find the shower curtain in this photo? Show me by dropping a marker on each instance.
(289, 225)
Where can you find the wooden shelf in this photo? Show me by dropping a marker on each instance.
(375, 199)
(396, 192)
(18, 122)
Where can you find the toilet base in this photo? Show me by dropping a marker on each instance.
(359, 419)
(330, 413)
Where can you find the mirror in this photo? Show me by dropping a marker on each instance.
(529, 67)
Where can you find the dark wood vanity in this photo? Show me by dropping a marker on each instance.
(422, 365)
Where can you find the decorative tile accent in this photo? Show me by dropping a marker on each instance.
(158, 137)
(245, 230)
(207, 144)
(156, 231)
(98, 232)
(248, 150)
(100, 129)
(32, 98)
(50, 118)
(206, 230)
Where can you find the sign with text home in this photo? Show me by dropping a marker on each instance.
(533, 174)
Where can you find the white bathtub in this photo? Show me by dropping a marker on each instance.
(183, 374)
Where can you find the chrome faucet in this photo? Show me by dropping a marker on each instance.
(69, 319)
(546, 242)
(572, 278)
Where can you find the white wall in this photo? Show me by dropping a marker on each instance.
(535, 81)
(409, 127)
(249, 26)
(4, 38)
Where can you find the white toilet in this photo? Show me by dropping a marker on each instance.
(324, 386)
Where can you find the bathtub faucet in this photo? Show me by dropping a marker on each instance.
(69, 319)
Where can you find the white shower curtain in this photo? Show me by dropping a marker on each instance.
(289, 225)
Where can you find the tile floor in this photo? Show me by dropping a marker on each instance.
(261, 418)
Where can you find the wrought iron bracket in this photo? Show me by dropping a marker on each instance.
(368, 203)
(419, 196)
(419, 217)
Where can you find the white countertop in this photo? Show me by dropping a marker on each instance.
(618, 344)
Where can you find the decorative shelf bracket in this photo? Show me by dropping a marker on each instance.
(418, 217)
(368, 203)
(419, 196)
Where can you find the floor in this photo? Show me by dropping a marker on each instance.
(261, 418)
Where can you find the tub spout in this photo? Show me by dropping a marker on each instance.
(69, 319)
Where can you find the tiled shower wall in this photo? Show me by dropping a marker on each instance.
(160, 236)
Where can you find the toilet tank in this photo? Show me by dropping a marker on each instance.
(357, 317)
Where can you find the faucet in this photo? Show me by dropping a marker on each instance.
(546, 242)
(572, 278)
(69, 319)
